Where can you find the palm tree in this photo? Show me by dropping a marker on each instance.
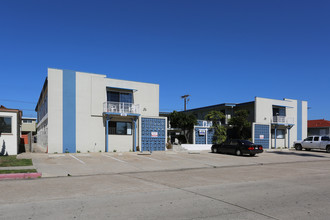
(220, 132)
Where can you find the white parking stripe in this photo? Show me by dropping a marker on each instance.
(114, 158)
(149, 158)
(77, 159)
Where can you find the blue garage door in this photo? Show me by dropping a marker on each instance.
(153, 134)
(261, 135)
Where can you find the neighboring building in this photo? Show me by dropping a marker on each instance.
(10, 123)
(275, 123)
(319, 127)
(28, 131)
(88, 112)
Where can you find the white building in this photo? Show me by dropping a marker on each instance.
(275, 123)
(85, 112)
(278, 123)
(10, 124)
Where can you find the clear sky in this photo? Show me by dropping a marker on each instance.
(216, 51)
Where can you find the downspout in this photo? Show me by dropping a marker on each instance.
(135, 134)
(289, 128)
(275, 135)
(107, 132)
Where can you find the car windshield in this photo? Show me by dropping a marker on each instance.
(244, 142)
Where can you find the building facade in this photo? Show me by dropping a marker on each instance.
(85, 112)
(28, 131)
(319, 127)
(274, 123)
(10, 125)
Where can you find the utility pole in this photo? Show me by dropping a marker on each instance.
(185, 97)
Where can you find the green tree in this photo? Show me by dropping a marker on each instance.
(241, 126)
(220, 132)
(183, 121)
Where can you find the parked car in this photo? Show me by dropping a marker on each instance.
(313, 142)
(238, 147)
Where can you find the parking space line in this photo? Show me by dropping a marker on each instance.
(77, 159)
(149, 158)
(114, 158)
(195, 160)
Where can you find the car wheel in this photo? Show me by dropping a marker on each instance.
(238, 152)
(298, 147)
(328, 149)
(252, 155)
(214, 150)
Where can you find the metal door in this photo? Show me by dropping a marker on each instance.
(261, 135)
(153, 134)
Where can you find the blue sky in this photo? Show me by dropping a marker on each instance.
(216, 51)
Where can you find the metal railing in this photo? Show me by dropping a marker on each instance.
(121, 107)
(283, 120)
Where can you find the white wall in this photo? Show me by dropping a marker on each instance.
(10, 140)
(42, 134)
(147, 95)
(90, 129)
(264, 114)
(120, 143)
(304, 119)
(55, 110)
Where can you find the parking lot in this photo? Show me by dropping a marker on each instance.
(79, 164)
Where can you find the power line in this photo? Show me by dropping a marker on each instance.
(20, 101)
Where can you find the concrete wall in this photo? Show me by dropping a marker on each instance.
(55, 110)
(120, 143)
(10, 140)
(90, 129)
(42, 134)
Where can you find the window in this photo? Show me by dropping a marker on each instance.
(120, 128)
(309, 139)
(280, 134)
(5, 125)
(316, 138)
(325, 138)
(278, 111)
(28, 121)
(244, 142)
(119, 97)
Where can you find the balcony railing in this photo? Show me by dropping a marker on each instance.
(283, 120)
(121, 107)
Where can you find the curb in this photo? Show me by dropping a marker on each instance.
(20, 176)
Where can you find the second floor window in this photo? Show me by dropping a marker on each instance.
(113, 96)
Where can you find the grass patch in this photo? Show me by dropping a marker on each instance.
(12, 161)
(18, 171)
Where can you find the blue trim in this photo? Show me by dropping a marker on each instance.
(135, 135)
(285, 106)
(110, 87)
(299, 120)
(69, 111)
(119, 114)
(275, 136)
(107, 133)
